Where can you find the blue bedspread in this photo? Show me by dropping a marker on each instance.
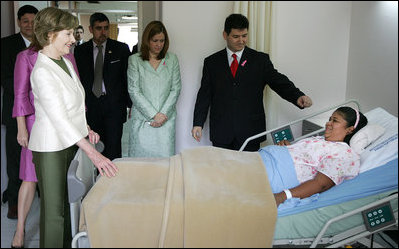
(374, 181)
(279, 167)
(281, 174)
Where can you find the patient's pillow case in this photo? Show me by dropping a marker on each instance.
(365, 136)
(385, 148)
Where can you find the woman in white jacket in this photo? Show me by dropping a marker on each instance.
(60, 126)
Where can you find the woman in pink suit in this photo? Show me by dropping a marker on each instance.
(24, 112)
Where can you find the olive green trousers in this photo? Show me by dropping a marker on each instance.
(51, 171)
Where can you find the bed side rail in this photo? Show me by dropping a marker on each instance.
(343, 238)
(81, 177)
(353, 212)
(354, 101)
(80, 240)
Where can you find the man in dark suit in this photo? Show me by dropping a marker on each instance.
(10, 47)
(78, 34)
(135, 49)
(106, 106)
(232, 85)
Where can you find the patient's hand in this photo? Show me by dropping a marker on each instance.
(284, 143)
(279, 198)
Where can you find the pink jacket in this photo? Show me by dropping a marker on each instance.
(23, 97)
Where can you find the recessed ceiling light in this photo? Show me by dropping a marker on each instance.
(129, 17)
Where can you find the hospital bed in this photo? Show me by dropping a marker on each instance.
(337, 217)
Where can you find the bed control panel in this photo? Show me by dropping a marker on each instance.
(378, 217)
(284, 133)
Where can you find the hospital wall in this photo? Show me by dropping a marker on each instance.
(195, 31)
(336, 51)
(373, 55)
(309, 44)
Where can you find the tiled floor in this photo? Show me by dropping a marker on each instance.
(32, 226)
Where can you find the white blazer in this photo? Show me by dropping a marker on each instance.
(59, 102)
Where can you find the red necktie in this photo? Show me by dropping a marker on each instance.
(234, 65)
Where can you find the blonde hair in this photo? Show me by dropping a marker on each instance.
(51, 20)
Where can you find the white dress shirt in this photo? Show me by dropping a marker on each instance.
(230, 57)
(27, 42)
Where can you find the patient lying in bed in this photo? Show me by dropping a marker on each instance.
(314, 165)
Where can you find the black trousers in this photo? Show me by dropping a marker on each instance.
(13, 156)
(107, 121)
(236, 145)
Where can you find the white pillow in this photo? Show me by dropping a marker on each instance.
(385, 148)
(365, 136)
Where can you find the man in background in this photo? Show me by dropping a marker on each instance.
(10, 47)
(102, 65)
(79, 31)
(78, 34)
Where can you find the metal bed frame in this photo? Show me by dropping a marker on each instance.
(81, 180)
(355, 234)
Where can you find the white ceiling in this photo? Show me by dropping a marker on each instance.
(114, 10)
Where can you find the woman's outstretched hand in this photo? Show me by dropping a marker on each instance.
(104, 165)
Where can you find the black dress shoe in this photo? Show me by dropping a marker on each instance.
(4, 199)
(12, 212)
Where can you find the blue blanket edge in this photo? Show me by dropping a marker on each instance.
(375, 181)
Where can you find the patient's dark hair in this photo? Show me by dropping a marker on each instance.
(349, 114)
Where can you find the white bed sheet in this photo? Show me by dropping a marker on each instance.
(385, 148)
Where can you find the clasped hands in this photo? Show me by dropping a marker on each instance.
(158, 120)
